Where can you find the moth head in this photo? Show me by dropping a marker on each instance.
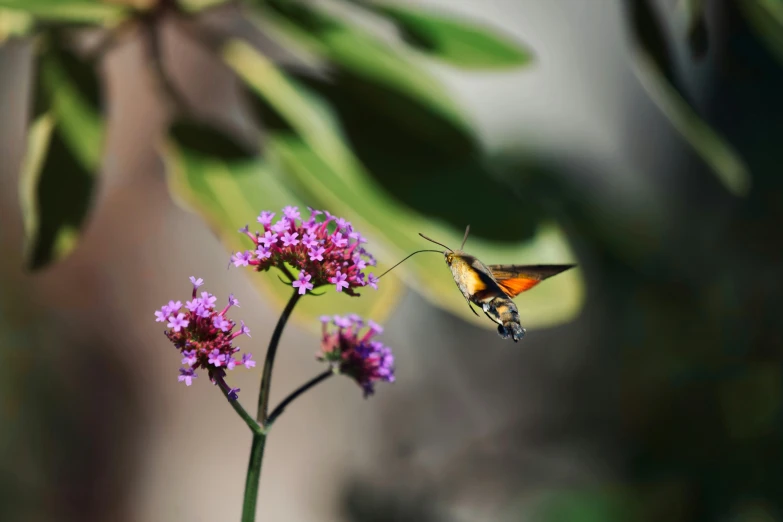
(449, 254)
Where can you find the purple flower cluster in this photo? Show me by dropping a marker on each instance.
(356, 354)
(325, 249)
(203, 335)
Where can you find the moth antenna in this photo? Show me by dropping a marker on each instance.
(433, 241)
(464, 239)
(406, 257)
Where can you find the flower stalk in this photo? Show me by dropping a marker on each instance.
(253, 477)
(322, 250)
(269, 362)
(259, 438)
(295, 394)
(230, 395)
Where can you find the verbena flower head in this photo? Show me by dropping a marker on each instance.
(203, 335)
(325, 249)
(348, 346)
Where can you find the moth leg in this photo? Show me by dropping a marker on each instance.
(470, 305)
(492, 313)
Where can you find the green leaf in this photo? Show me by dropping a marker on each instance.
(14, 23)
(230, 194)
(454, 41)
(657, 75)
(85, 11)
(650, 37)
(598, 505)
(717, 153)
(194, 6)
(695, 20)
(209, 141)
(321, 167)
(766, 18)
(62, 160)
(371, 68)
(421, 174)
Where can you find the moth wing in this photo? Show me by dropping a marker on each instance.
(515, 279)
(483, 285)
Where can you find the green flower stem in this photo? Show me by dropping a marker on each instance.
(287, 273)
(259, 441)
(249, 420)
(259, 437)
(269, 362)
(296, 393)
(253, 477)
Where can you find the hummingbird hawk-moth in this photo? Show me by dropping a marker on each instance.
(492, 287)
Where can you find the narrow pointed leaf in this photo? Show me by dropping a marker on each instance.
(724, 161)
(648, 34)
(657, 75)
(370, 69)
(14, 23)
(766, 17)
(210, 142)
(696, 23)
(63, 157)
(83, 11)
(458, 42)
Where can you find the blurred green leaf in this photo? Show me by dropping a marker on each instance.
(374, 69)
(656, 73)
(229, 194)
(322, 168)
(458, 42)
(209, 141)
(597, 505)
(717, 153)
(63, 157)
(14, 23)
(413, 143)
(698, 39)
(419, 173)
(766, 17)
(650, 36)
(95, 11)
(194, 6)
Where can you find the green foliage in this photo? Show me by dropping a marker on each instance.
(694, 15)
(63, 156)
(14, 23)
(207, 142)
(373, 67)
(454, 41)
(588, 505)
(766, 17)
(658, 75)
(74, 11)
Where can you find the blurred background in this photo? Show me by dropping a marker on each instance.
(638, 138)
